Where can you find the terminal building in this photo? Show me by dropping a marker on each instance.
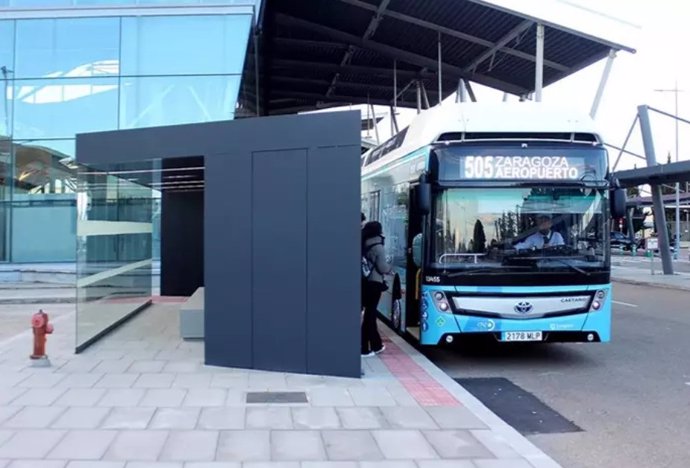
(100, 74)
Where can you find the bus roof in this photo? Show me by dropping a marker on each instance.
(451, 120)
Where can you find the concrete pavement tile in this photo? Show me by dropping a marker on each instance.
(222, 418)
(79, 380)
(80, 364)
(81, 418)
(351, 445)
(83, 445)
(164, 397)
(408, 418)
(95, 464)
(266, 380)
(244, 446)
(206, 397)
(39, 397)
(6, 412)
(495, 443)
(112, 381)
(144, 366)
(31, 444)
(372, 396)
(5, 435)
(268, 418)
(297, 446)
(388, 464)
(193, 381)
(175, 418)
(401, 396)
(34, 417)
(234, 381)
(315, 418)
(42, 380)
(404, 445)
(182, 367)
(110, 366)
(212, 465)
(330, 464)
(505, 463)
(271, 465)
(10, 393)
(137, 446)
(81, 397)
(236, 398)
(446, 464)
(361, 418)
(37, 464)
(330, 396)
(127, 397)
(455, 418)
(190, 446)
(10, 379)
(128, 418)
(155, 465)
(154, 381)
(457, 444)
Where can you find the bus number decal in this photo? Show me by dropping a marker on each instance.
(433, 279)
(479, 167)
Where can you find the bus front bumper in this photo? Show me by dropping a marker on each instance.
(546, 337)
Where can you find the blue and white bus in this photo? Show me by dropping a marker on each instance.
(462, 194)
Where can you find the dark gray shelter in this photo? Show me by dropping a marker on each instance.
(268, 222)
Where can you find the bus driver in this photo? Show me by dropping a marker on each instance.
(543, 238)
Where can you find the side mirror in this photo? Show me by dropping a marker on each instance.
(417, 250)
(618, 203)
(424, 195)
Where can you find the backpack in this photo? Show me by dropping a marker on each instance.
(367, 265)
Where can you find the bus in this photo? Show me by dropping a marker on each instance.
(497, 223)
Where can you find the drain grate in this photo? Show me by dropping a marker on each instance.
(277, 397)
(519, 408)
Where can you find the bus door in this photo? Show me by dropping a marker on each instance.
(414, 273)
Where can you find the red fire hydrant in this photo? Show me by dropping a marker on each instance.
(42, 328)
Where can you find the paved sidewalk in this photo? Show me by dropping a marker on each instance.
(143, 398)
(631, 275)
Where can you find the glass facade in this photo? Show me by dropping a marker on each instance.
(64, 76)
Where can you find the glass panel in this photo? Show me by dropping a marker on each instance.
(184, 45)
(520, 229)
(150, 102)
(114, 251)
(44, 167)
(6, 73)
(61, 108)
(67, 47)
(32, 3)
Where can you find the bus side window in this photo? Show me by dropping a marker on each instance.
(417, 250)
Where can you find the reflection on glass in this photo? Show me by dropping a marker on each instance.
(522, 229)
(61, 108)
(43, 167)
(150, 102)
(67, 47)
(184, 45)
(114, 251)
(6, 73)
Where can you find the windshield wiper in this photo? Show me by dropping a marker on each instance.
(491, 270)
(563, 262)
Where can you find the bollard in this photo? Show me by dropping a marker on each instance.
(40, 323)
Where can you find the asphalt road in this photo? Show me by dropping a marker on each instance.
(682, 265)
(631, 396)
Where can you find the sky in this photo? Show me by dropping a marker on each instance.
(660, 60)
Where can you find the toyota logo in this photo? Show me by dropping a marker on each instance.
(523, 307)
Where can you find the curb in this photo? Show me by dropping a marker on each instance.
(38, 300)
(522, 446)
(647, 283)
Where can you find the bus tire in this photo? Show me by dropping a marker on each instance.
(396, 304)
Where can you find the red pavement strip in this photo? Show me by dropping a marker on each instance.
(423, 387)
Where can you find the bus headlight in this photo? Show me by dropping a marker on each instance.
(598, 301)
(441, 301)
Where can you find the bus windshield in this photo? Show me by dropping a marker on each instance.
(520, 229)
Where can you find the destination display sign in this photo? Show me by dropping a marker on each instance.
(527, 164)
(521, 167)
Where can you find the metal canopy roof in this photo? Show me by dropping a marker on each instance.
(320, 53)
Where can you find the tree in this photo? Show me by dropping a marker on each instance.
(479, 238)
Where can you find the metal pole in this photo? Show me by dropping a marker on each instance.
(539, 73)
(395, 86)
(659, 212)
(419, 98)
(462, 94)
(505, 97)
(376, 126)
(440, 71)
(470, 91)
(625, 143)
(677, 250)
(425, 96)
(602, 83)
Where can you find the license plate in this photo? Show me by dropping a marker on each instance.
(522, 336)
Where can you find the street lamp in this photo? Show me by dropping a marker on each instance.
(675, 91)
